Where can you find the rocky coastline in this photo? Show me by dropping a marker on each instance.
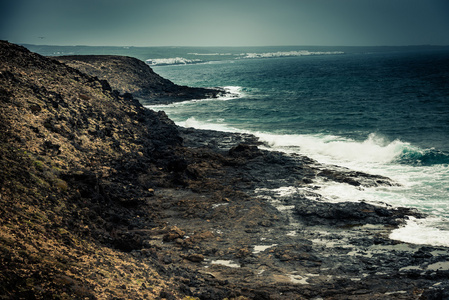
(102, 198)
(130, 75)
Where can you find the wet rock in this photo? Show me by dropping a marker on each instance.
(354, 178)
(245, 150)
(349, 213)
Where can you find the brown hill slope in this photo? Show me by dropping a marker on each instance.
(71, 153)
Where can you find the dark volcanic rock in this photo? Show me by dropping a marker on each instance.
(350, 213)
(245, 150)
(130, 75)
(354, 178)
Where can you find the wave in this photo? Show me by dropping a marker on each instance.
(420, 157)
(288, 54)
(375, 149)
(172, 61)
(422, 231)
(186, 61)
(232, 92)
(336, 149)
(194, 123)
(320, 147)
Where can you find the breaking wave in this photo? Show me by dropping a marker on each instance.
(375, 149)
(287, 54)
(420, 157)
(221, 56)
(422, 231)
(171, 61)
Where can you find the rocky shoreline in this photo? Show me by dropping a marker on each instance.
(102, 199)
(327, 250)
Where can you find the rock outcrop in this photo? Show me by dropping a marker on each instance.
(101, 198)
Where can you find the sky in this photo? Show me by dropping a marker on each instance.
(225, 22)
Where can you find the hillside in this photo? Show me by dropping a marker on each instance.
(94, 189)
(103, 199)
(72, 151)
(130, 75)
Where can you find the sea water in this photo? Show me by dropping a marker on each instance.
(380, 110)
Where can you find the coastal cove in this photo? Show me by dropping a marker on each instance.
(104, 198)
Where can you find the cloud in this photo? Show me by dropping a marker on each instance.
(231, 22)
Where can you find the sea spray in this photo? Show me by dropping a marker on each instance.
(375, 149)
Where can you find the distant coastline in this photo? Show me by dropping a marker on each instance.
(130, 75)
(206, 54)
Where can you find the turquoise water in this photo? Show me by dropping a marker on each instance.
(382, 110)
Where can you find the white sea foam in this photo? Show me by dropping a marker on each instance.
(374, 152)
(422, 231)
(232, 92)
(334, 149)
(287, 54)
(194, 123)
(171, 61)
(421, 186)
(185, 61)
(342, 192)
(261, 248)
(227, 263)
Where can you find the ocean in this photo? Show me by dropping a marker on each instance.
(380, 110)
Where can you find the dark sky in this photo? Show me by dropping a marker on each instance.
(225, 22)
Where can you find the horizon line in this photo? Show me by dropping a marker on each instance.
(222, 46)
